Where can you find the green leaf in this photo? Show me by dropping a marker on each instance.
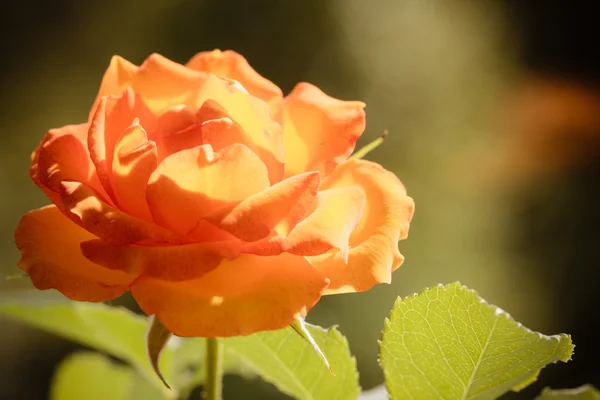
(113, 330)
(289, 362)
(585, 392)
(92, 376)
(446, 342)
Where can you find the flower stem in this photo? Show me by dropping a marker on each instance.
(214, 369)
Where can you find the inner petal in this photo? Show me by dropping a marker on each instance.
(134, 160)
(194, 182)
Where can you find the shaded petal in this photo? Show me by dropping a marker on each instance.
(195, 182)
(240, 297)
(117, 77)
(232, 65)
(279, 207)
(63, 155)
(49, 244)
(113, 115)
(109, 223)
(173, 263)
(134, 160)
(319, 131)
(373, 253)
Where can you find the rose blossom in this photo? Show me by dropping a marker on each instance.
(223, 207)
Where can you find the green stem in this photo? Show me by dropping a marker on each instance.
(214, 369)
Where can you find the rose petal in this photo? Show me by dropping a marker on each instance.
(112, 117)
(232, 65)
(195, 182)
(329, 226)
(173, 263)
(49, 245)
(134, 160)
(279, 207)
(253, 115)
(117, 77)
(109, 223)
(163, 83)
(240, 297)
(63, 155)
(336, 215)
(211, 125)
(319, 131)
(373, 253)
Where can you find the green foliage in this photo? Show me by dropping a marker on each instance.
(92, 376)
(585, 392)
(282, 357)
(288, 361)
(446, 342)
(113, 330)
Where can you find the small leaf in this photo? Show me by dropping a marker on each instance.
(585, 392)
(363, 151)
(446, 342)
(290, 363)
(156, 340)
(92, 376)
(299, 325)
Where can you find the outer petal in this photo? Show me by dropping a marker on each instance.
(108, 223)
(232, 65)
(195, 182)
(279, 207)
(173, 263)
(63, 155)
(49, 245)
(386, 218)
(247, 295)
(319, 131)
(134, 160)
(117, 77)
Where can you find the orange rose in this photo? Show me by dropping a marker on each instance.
(223, 207)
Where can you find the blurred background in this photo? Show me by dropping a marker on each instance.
(493, 113)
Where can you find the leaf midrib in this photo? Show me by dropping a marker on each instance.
(478, 364)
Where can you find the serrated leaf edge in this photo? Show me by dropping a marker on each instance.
(498, 311)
